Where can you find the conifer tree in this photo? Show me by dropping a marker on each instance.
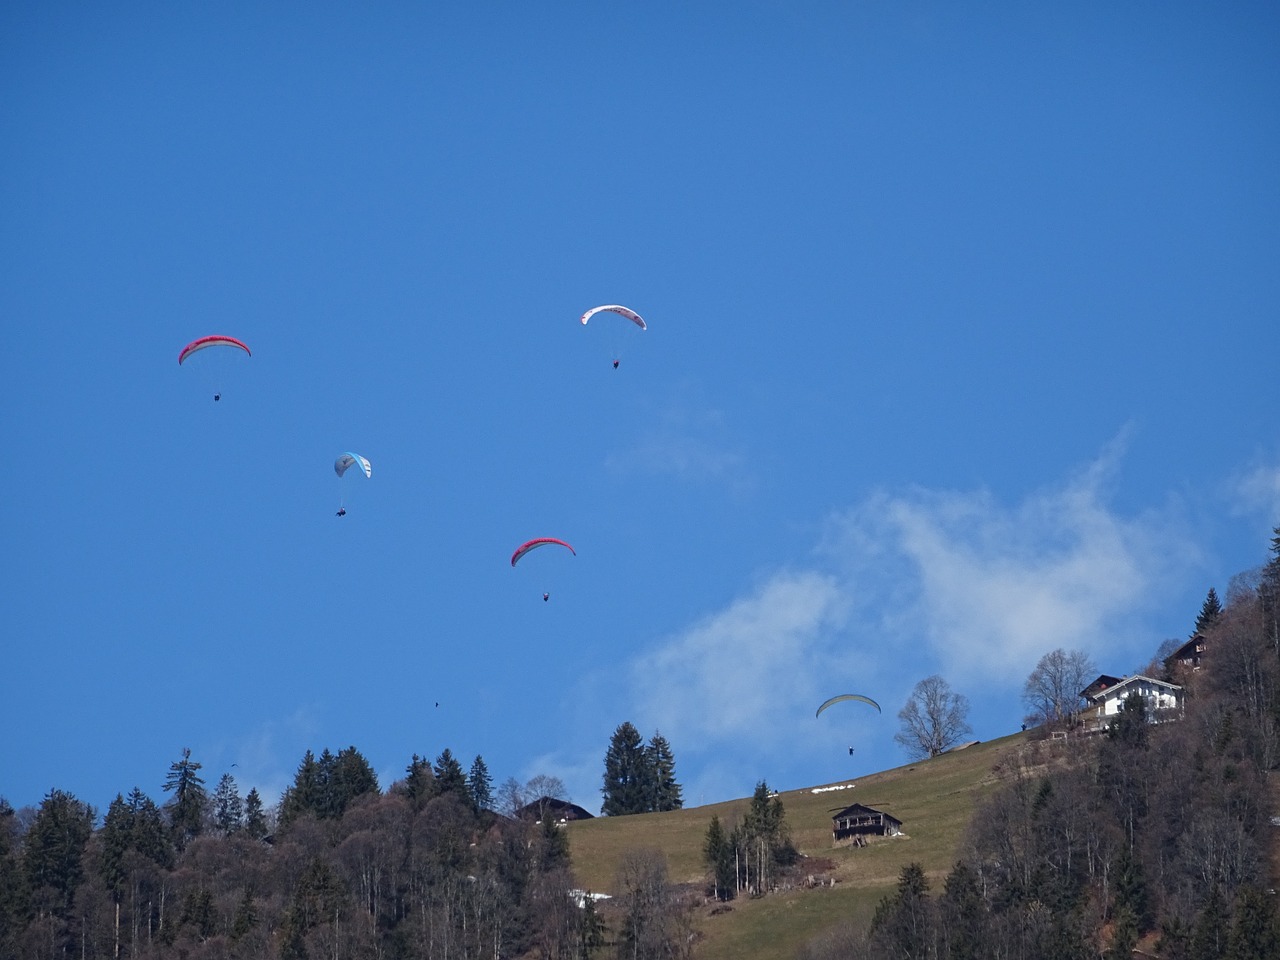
(53, 850)
(449, 774)
(717, 853)
(480, 785)
(420, 781)
(228, 808)
(186, 809)
(1210, 612)
(626, 773)
(255, 816)
(662, 771)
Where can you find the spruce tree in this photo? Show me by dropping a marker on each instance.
(480, 785)
(420, 781)
(662, 772)
(449, 774)
(228, 808)
(186, 810)
(1210, 612)
(255, 817)
(626, 773)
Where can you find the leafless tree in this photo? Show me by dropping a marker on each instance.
(934, 718)
(1052, 692)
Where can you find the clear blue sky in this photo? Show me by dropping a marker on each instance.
(962, 346)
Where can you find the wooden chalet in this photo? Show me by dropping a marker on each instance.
(1187, 656)
(857, 820)
(562, 811)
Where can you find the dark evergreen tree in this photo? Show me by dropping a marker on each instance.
(246, 917)
(480, 786)
(717, 854)
(1255, 927)
(350, 777)
(449, 774)
(1210, 612)
(591, 932)
(662, 772)
(53, 852)
(187, 808)
(1209, 937)
(420, 781)
(304, 796)
(626, 773)
(255, 816)
(228, 808)
(13, 887)
(903, 923)
(962, 916)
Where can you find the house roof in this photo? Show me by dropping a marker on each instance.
(563, 808)
(856, 809)
(1137, 677)
(1104, 682)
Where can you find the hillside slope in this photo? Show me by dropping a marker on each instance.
(935, 800)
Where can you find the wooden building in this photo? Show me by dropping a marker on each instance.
(857, 820)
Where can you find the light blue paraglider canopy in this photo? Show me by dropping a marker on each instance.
(350, 459)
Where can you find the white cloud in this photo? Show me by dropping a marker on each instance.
(992, 587)
(729, 675)
(687, 446)
(1258, 491)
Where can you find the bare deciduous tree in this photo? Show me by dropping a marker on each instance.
(1052, 692)
(934, 718)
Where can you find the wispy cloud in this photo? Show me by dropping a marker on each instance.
(990, 587)
(728, 676)
(1257, 490)
(688, 446)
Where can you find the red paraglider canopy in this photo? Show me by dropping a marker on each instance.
(212, 341)
(538, 542)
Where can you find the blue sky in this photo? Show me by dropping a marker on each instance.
(962, 347)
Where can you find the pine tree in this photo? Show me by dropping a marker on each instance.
(350, 777)
(1209, 938)
(13, 888)
(1255, 927)
(662, 764)
(1210, 612)
(905, 921)
(480, 785)
(626, 773)
(186, 810)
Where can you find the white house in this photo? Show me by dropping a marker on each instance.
(1163, 701)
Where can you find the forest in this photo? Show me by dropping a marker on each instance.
(1151, 839)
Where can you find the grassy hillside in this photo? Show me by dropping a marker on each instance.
(934, 799)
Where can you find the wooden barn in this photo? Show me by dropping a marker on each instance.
(857, 820)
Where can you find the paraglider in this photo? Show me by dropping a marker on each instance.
(534, 544)
(215, 341)
(618, 309)
(848, 696)
(348, 460)
(621, 311)
(344, 463)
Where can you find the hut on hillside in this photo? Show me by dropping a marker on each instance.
(858, 820)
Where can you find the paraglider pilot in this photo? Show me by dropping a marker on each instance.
(218, 396)
(546, 597)
(342, 511)
(615, 364)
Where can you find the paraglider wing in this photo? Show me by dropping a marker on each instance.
(214, 341)
(539, 542)
(347, 460)
(618, 309)
(848, 696)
